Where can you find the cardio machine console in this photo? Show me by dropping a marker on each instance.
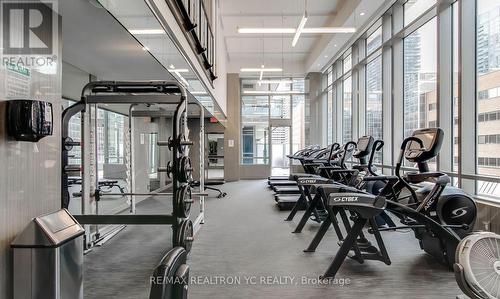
(363, 147)
(431, 138)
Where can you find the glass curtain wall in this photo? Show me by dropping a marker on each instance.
(261, 102)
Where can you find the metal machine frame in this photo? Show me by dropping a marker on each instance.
(133, 93)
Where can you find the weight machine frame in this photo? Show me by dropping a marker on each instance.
(133, 93)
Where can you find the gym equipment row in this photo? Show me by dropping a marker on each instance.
(358, 202)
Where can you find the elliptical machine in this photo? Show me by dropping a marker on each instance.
(447, 205)
(439, 216)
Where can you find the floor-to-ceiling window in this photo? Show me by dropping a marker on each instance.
(347, 110)
(374, 100)
(255, 129)
(420, 85)
(488, 93)
(403, 63)
(262, 101)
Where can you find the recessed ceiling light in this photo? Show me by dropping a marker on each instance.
(329, 30)
(362, 14)
(146, 31)
(298, 32)
(326, 56)
(258, 70)
(335, 45)
(266, 30)
(272, 92)
(274, 81)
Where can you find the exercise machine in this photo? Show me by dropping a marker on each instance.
(179, 168)
(437, 218)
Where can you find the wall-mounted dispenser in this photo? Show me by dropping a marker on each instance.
(29, 120)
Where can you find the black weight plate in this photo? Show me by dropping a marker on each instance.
(185, 234)
(183, 200)
(184, 169)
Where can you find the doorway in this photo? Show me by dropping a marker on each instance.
(214, 161)
(280, 149)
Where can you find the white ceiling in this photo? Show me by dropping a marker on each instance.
(251, 50)
(96, 43)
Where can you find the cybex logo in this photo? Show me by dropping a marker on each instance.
(309, 182)
(345, 199)
(459, 212)
(28, 28)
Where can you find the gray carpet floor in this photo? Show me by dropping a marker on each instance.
(246, 243)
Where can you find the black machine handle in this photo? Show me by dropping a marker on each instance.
(334, 147)
(402, 152)
(377, 146)
(400, 162)
(349, 147)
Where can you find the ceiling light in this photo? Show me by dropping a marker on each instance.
(329, 30)
(266, 30)
(326, 56)
(261, 75)
(179, 71)
(335, 45)
(302, 24)
(362, 14)
(275, 82)
(146, 31)
(258, 70)
(271, 92)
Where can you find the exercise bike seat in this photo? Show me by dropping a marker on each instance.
(366, 205)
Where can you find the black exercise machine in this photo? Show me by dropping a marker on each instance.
(170, 279)
(439, 216)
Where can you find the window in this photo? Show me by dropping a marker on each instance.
(347, 65)
(114, 139)
(488, 87)
(374, 41)
(74, 132)
(298, 123)
(420, 65)
(415, 8)
(456, 86)
(374, 100)
(255, 129)
(347, 111)
(154, 157)
(329, 117)
(257, 110)
(329, 80)
(280, 106)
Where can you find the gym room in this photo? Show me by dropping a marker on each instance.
(174, 149)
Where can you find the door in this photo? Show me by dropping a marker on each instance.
(280, 148)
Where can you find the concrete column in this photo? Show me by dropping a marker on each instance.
(232, 133)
